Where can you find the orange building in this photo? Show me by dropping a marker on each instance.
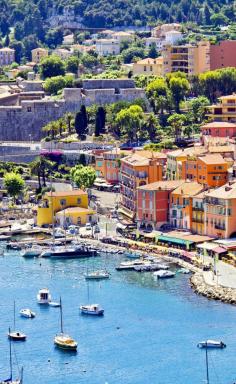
(107, 164)
(140, 168)
(198, 214)
(181, 204)
(211, 170)
(220, 206)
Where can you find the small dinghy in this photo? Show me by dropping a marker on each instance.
(27, 313)
(54, 304)
(92, 309)
(185, 271)
(211, 344)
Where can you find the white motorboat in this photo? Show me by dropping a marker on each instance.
(44, 296)
(59, 233)
(211, 344)
(163, 274)
(97, 275)
(27, 313)
(126, 265)
(92, 309)
(33, 251)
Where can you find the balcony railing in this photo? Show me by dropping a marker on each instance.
(199, 209)
(195, 220)
(221, 227)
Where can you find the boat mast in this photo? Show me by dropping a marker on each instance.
(53, 224)
(61, 316)
(10, 356)
(207, 368)
(14, 315)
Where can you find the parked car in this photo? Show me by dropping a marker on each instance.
(88, 227)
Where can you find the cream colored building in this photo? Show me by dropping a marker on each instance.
(7, 56)
(161, 30)
(225, 110)
(106, 47)
(149, 67)
(38, 53)
(122, 36)
(190, 59)
(62, 53)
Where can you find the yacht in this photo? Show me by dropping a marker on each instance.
(97, 275)
(33, 251)
(92, 309)
(62, 340)
(163, 274)
(27, 313)
(129, 265)
(44, 296)
(72, 252)
(211, 344)
(10, 380)
(16, 335)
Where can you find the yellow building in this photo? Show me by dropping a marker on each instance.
(149, 67)
(38, 53)
(176, 159)
(190, 59)
(55, 202)
(75, 216)
(225, 110)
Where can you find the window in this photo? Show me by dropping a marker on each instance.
(28, 109)
(79, 220)
(79, 200)
(63, 202)
(145, 68)
(90, 218)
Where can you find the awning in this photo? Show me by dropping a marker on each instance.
(174, 240)
(126, 213)
(219, 250)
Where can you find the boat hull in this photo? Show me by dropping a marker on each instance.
(17, 336)
(72, 255)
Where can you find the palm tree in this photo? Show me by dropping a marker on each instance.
(69, 117)
(35, 169)
(39, 167)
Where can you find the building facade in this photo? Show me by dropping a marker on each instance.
(7, 56)
(222, 54)
(137, 170)
(151, 67)
(153, 204)
(37, 54)
(225, 110)
(106, 47)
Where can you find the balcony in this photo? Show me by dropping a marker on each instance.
(221, 227)
(196, 220)
(198, 209)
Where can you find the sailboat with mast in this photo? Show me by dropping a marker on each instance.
(16, 335)
(62, 340)
(91, 309)
(10, 379)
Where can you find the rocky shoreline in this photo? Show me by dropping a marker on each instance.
(226, 295)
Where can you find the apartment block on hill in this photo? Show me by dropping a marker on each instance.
(151, 67)
(225, 110)
(37, 54)
(7, 56)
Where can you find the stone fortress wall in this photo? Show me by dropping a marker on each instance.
(22, 115)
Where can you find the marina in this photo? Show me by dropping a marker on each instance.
(165, 317)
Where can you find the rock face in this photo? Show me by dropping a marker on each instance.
(227, 295)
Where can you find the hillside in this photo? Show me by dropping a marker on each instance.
(30, 15)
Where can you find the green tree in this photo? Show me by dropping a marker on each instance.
(152, 52)
(14, 184)
(179, 88)
(81, 123)
(83, 177)
(176, 122)
(100, 121)
(159, 95)
(131, 53)
(72, 64)
(30, 42)
(130, 121)
(54, 84)
(152, 126)
(89, 61)
(52, 66)
(198, 106)
(54, 37)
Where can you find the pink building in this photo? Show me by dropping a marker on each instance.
(219, 129)
(153, 203)
(220, 211)
(223, 54)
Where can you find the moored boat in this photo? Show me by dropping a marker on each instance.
(44, 297)
(97, 275)
(211, 344)
(27, 313)
(62, 340)
(72, 252)
(163, 274)
(33, 251)
(10, 380)
(16, 335)
(92, 309)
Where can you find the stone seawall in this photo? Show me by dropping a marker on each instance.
(226, 295)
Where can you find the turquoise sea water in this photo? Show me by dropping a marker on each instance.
(147, 336)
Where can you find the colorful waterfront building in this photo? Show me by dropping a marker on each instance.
(138, 169)
(219, 129)
(153, 203)
(210, 170)
(175, 160)
(181, 204)
(107, 164)
(225, 110)
(220, 206)
(198, 213)
(60, 203)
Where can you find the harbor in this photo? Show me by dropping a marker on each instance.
(141, 313)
